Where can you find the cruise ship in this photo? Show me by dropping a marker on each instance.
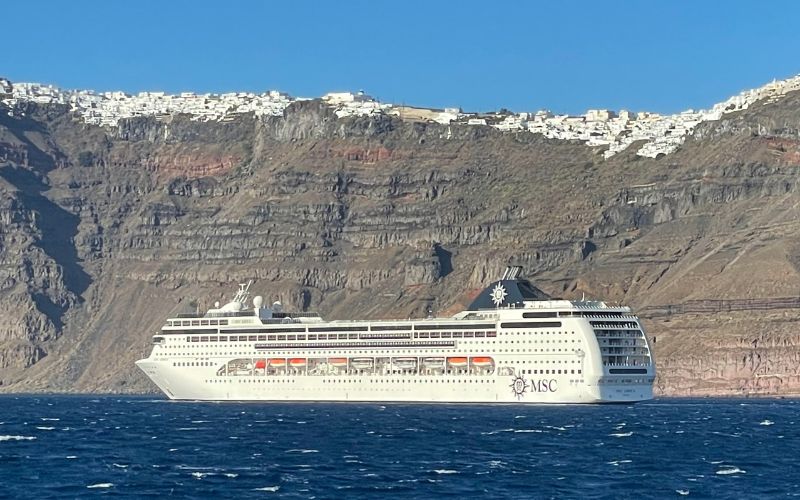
(513, 344)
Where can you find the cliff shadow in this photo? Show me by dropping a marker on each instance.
(58, 227)
(445, 258)
(18, 126)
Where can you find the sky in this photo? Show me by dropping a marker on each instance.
(566, 56)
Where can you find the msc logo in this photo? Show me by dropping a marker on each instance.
(519, 386)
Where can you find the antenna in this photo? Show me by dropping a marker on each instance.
(243, 293)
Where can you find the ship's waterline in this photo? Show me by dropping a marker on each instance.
(514, 344)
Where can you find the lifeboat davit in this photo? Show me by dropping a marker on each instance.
(297, 362)
(457, 361)
(338, 361)
(277, 362)
(482, 361)
(261, 364)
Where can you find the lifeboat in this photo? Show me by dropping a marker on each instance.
(261, 364)
(482, 361)
(338, 361)
(405, 363)
(457, 361)
(433, 362)
(297, 362)
(277, 362)
(361, 363)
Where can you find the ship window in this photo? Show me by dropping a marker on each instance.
(195, 339)
(203, 322)
(291, 337)
(270, 337)
(491, 334)
(539, 315)
(458, 335)
(252, 338)
(223, 339)
(223, 322)
(281, 337)
(312, 337)
(342, 336)
(203, 339)
(195, 322)
(214, 322)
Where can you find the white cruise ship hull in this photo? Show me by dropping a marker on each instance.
(200, 384)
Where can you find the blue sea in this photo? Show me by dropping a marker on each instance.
(80, 446)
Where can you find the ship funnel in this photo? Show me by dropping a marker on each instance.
(511, 273)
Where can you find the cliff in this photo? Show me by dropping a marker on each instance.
(106, 231)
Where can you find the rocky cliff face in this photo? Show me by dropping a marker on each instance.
(103, 233)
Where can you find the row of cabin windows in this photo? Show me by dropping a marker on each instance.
(199, 322)
(265, 380)
(529, 371)
(488, 342)
(355, 336)
(372, 351)
(332, 336)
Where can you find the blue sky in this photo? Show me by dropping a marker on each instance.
(567, 56)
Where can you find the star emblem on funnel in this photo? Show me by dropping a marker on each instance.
(498, 294)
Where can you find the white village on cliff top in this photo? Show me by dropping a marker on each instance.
(662, 134)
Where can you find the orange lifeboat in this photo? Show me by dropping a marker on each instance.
(261, 364)
(297, 362)
(277, 362)
(482, 361)
(338, 361)
(457, 361)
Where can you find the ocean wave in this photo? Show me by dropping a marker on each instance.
(730, 470)
(100, 485)
(17, 438)
(268, 488)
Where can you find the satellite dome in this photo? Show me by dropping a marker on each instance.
(216, 305)
(258, 301)
(277, 306)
